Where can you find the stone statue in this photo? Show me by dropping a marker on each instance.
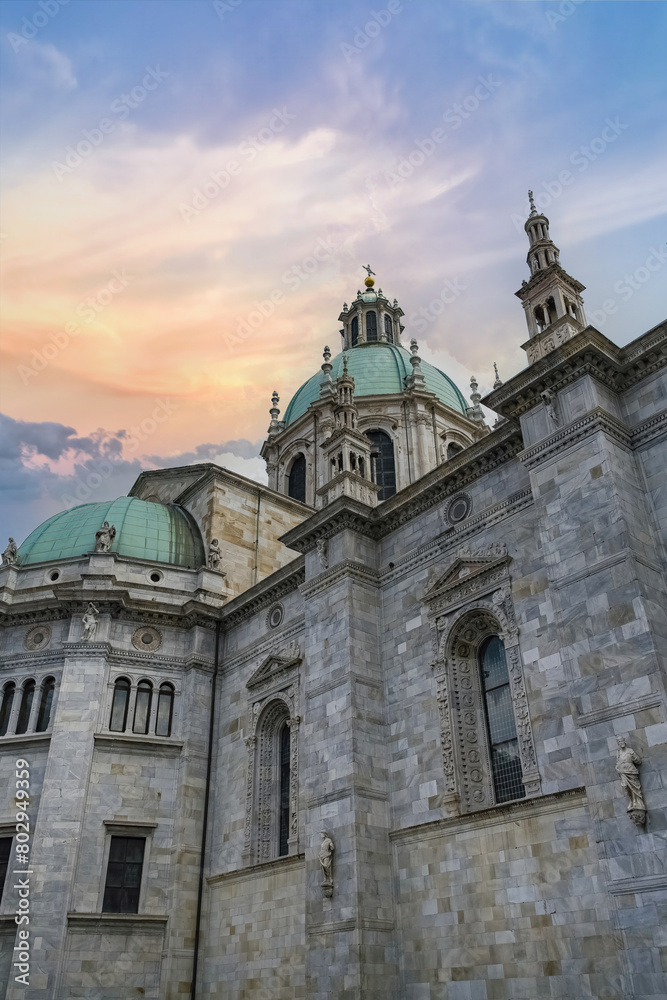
(214, 554)
(627, 762)
(104, 536)
(10, 555)
(323, 552)
(89, 622)
(325, 856)
(549, 400)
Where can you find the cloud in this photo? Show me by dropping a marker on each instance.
(41, 65)
(46, 467)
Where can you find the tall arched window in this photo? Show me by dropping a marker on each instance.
(165, 710)
(45, 705)
(6, 709)
(371, 325)
(26, 705)
(383, 469)
(142, 707)
(119, 705)
(501, 724)
(297, 479)
(354, 331)
(273, 775)
(388, 332)
(284, 779)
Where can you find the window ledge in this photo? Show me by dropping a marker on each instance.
(121, 921)
(265, 867)
(126, 741)
(25, 740)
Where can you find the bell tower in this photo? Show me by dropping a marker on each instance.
(551, 298)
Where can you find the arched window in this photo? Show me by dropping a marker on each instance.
(284, 800)
(383, 470)
(142, 707)
(371, 325)
(26, 705)
(45, 705)
(539, 319)
(6, 708)
(297, 479)
(500, 721)
(119, 705)
(388, 332)
(551, 309)
(453, 449)
(165, 710)
(354, 331)
(272, 783)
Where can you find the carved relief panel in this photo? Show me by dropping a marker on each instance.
(469, 603)
(273, 704)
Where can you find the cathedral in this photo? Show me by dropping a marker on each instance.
(393, 726)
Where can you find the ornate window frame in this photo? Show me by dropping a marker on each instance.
(470, 602)
(273, 700)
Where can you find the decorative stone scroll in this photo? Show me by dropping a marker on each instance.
(469, 603)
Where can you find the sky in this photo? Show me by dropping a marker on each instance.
(190, 190)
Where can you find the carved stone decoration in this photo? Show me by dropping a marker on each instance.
(147, 639)
(469, 603)
(104, 536)
(275, 616)
(325, 857)
(627, 767)
(323, 552)
(37, 637)
(10, 555)
(214, 554)
(457, 509)
(273, 687)
(89, 622)
(549, 400)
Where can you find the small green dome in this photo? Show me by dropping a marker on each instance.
(377, 369)
(152, 531)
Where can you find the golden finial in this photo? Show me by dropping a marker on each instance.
(369, 282)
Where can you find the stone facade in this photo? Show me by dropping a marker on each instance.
(339, 649)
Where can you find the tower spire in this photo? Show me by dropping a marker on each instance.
(551, 297)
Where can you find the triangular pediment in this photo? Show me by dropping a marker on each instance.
(275, 665)
(468, 566)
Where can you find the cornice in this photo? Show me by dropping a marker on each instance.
(344, 512)
(587, 353)
(594, 421)
(286, 864)
(255, 649)
(125, 743)
(281, 583)
(348, 569)
(120, 922)
(35, 741)
(512, 812)
(649, 430)
(38, 659)
(617, 711)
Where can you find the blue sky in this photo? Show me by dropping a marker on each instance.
(329, 111)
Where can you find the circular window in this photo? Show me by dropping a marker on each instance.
(275, 616)
(155, 577)
(55, 575)
(458, 508)
(147, 639)
(37, 637)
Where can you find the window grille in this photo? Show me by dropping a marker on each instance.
(501, 724)
(123, 882)
(382, 463)
(45, 705)
(119, 705)
(26, 705)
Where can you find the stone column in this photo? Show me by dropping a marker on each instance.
(350, 930)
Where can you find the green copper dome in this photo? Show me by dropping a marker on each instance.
(152, 531)
(377, 369)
